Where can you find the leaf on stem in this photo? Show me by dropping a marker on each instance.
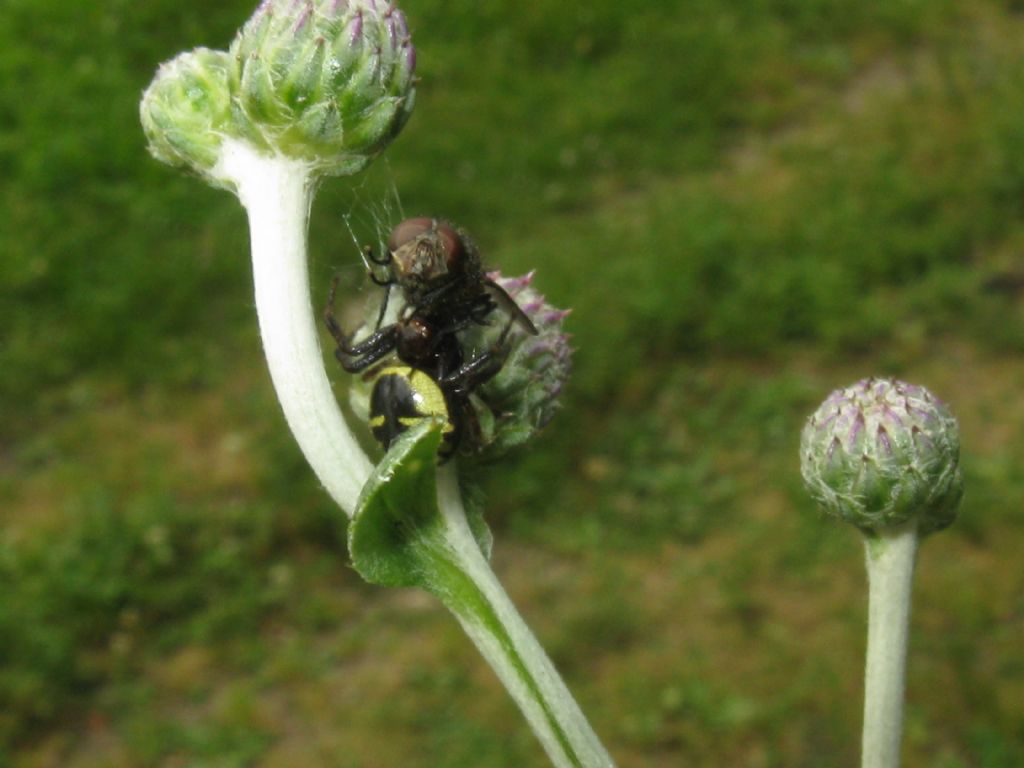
(397, 537)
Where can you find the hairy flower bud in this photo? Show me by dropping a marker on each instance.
(186, 111)
(524, 396)
(325, 81)
(327, 84)
(881, 452)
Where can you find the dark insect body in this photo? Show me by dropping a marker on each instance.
(445, 290)
(403, 396)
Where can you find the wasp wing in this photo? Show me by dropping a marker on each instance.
(508, 305)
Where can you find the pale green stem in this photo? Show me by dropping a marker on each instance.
(277, 193)
(502, 637)
(890, 563)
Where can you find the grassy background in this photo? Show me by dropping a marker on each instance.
(746, 204)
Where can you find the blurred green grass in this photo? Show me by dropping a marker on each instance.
(744, 203)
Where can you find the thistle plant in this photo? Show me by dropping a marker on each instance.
(315, 88)
(306, 90)
(883, 455)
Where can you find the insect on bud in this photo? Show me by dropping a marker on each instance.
(880, 452)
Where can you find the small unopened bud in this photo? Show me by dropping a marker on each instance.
(186, 111)
(881, 452)
(327, 84)
(523, 397)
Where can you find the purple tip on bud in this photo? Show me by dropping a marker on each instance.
(858, 425)
(915, 411)
(832, 448)
(828, 420)
(303, 18)
(410, 55)
(389, 22)
(357, 27)
(881, 452)
(401, 23)
(884, 441)
(892, 415)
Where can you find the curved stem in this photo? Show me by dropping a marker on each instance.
(490, 619)
(890, 562)
(277, 193)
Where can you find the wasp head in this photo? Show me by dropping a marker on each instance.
(427, 252)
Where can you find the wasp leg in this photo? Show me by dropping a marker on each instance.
(358, 357)
(383, 309)
(329, 319)
(481, 368)
(344, 340)
(501, 298)
(370, 261)
(382, 261)
(477, 371)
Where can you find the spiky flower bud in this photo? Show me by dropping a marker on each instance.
(524, 396)
(327, 84)
(326, 81)
(186, 111)
(881, 452)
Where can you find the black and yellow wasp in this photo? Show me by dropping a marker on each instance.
(425, 373)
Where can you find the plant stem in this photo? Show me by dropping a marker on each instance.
(481, 605)
(890, 563)
(277, 194)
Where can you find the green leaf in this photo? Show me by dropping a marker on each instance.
(397, 525)
(397, 537)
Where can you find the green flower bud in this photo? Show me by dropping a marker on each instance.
(517, 403)
(186, 110)
(881, 452)
(329, 82)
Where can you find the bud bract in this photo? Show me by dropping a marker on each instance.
(881, 452)
(326, 81)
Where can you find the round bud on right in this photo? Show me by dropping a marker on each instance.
(881, 452)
